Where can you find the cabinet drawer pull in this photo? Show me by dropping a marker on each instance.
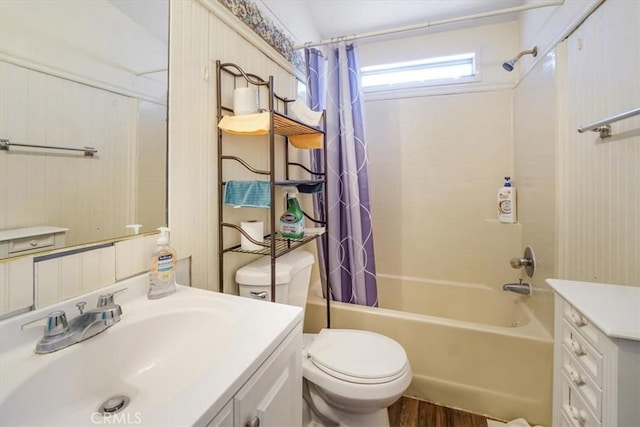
(578, 320)
(577, 348)
(578, 415)
(575, 377)
(258, 294)
(255, 422)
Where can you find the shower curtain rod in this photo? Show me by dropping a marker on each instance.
(430, 24)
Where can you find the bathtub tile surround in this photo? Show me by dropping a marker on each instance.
(447, 227)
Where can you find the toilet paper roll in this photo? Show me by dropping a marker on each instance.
(255, 229)
(245, 101)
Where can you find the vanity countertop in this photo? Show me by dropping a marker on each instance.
(179, 359)
(614, 309)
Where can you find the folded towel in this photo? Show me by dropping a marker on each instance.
(306, 140)
(309, 188)
(304, 186)
(519, 422)
(254, 194)
(248, 124)
(299, 111)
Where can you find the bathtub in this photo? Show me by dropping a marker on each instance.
(470, 347)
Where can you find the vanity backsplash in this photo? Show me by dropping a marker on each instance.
(34, 282)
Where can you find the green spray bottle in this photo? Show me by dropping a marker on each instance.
(292, 221)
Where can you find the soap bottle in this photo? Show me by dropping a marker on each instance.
(292, 221)
(162, 278)
(507, 202)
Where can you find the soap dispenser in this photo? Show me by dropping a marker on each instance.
(162, 278)
(507, 202)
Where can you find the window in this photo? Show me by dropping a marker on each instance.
(425, 72)
(301, 90)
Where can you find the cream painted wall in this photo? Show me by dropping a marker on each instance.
(199, 37)
(599, 180)
(150, 164)
(92, 196)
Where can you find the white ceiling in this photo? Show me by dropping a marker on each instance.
(309, 20)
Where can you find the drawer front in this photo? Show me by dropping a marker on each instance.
(577, 411)
(583, 352)
(582, 383)
(30, 243)
(583, 326)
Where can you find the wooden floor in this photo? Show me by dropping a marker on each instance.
(408, 412)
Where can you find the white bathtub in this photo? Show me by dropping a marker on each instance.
(470, 346)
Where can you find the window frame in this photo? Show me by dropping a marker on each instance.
(432, 62)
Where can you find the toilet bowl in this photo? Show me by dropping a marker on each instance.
(351, 376)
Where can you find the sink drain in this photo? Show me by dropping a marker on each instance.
(113, 405)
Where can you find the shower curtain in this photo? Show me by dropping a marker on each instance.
(333, 83)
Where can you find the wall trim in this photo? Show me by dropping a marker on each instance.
(97, 84)
(436, 91)
(249, 35)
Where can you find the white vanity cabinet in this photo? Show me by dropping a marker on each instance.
(596, 354)
(272, 397)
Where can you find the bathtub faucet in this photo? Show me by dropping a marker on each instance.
(519, 288)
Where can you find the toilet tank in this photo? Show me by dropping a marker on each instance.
(293, 272)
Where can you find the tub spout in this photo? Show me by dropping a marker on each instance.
(519, 288)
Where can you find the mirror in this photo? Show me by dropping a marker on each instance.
(77, 74)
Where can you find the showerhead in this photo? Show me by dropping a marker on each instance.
(510, 63)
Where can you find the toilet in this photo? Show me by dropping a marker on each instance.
(350, 376)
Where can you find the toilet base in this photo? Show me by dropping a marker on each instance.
(330, 416)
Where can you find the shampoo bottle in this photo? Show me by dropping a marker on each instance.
(507, 202)
(162, 279)
(292, 221)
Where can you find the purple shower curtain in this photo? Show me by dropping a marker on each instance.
(333, 83)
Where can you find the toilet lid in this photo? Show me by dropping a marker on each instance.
(358, 356)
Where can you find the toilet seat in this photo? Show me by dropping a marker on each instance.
(359, 357)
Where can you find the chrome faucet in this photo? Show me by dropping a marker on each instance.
(519, 288)
(59, 334)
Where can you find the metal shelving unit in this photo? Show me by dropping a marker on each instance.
(274, 244)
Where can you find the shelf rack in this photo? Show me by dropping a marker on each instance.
(274, 244)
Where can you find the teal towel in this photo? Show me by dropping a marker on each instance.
(253, 194)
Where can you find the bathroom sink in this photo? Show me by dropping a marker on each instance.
(162, 355)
